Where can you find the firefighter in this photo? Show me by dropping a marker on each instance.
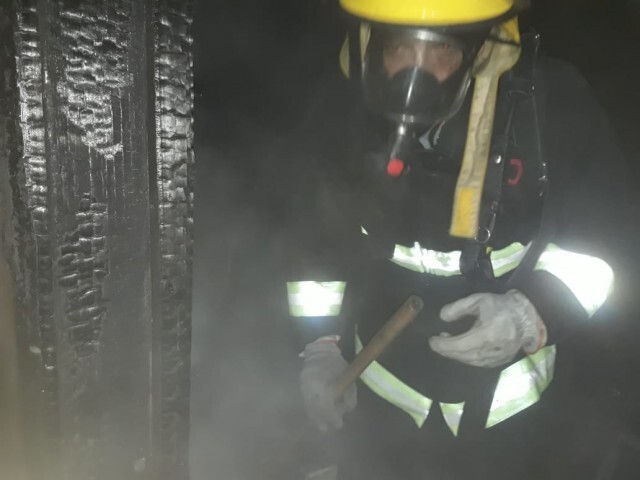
(450, 398)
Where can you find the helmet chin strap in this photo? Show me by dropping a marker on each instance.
(492, 61)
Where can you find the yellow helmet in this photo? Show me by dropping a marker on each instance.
(377, 25)
(434, 13)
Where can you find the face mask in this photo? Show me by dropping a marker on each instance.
(415, 97)
(415, 79)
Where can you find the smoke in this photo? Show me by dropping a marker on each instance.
(244, 383)
(250, 93)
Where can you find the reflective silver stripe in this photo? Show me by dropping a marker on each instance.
(452, 413)
(408, 257)
(507, 259)
(315, 299)
(521, 385)
(590, 279)
(418, 259)
(389, 387)
(446, 264)
(441, 263)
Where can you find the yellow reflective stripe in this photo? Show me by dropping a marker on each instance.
(387, 386)
(421, 260)
(408, 257)
(589, 278)
(452, 413)
(446, 264)
(315, 299)
(507, 259)
(521, 385)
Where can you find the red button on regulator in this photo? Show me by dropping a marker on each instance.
(395, 167)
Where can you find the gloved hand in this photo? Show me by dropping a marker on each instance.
(505, 324)
(323, 363)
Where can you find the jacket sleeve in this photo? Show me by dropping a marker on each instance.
(321, 256)
(593, 207)
(321, 243)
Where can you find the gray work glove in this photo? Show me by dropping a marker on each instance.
(323, 363)
(505, 324)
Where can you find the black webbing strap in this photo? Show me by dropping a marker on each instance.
(476, 411)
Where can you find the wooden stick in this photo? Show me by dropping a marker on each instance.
(378, 344)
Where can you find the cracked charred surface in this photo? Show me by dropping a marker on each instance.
(174, 152)
(101, 174)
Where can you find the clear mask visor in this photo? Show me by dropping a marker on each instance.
(415, 76)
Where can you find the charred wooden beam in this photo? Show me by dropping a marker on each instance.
(97, 112)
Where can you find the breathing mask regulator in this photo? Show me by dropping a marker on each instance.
(415, 61)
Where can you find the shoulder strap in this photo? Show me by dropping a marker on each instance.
(524, 80)
(547, 220)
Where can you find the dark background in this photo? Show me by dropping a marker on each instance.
(258, 65)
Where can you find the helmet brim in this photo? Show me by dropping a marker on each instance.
(483, 25)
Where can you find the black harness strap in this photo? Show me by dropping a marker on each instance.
(476, 411)
(475, 261)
